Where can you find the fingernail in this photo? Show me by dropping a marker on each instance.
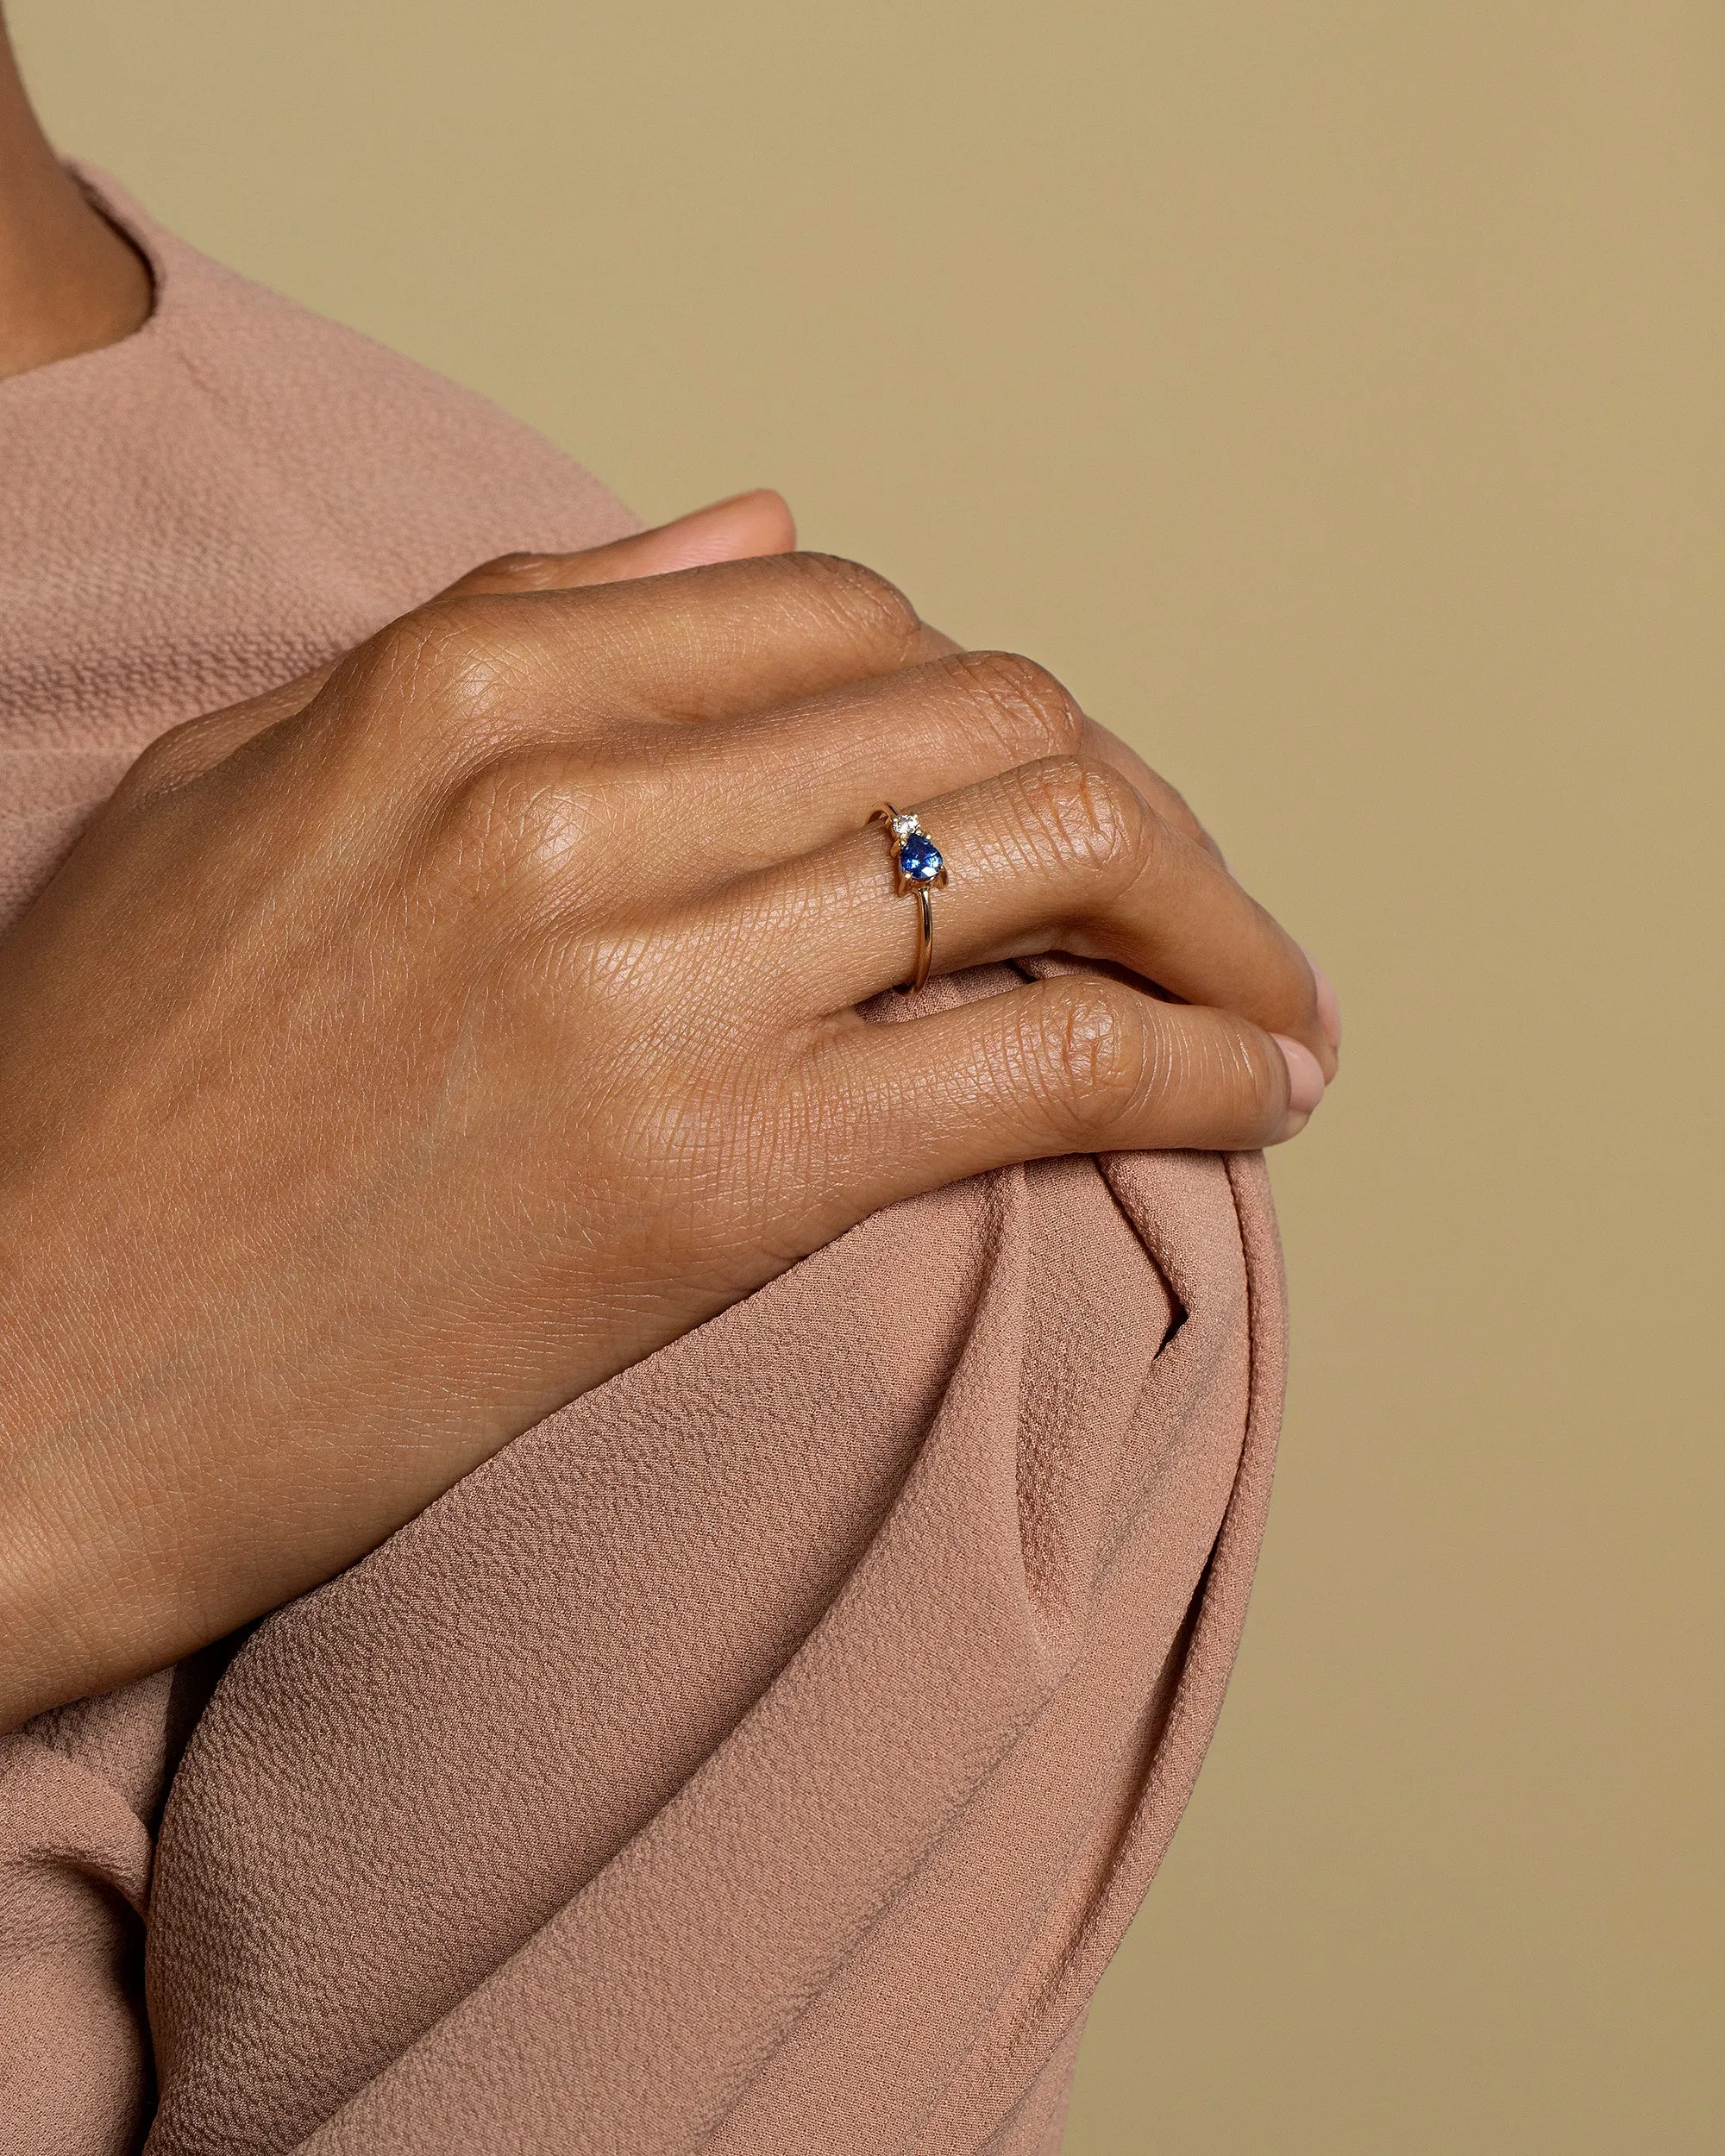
(1305, 1079)
(1329, 1009)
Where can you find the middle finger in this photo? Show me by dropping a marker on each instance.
(820, 764)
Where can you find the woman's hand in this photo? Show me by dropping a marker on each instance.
(398, 1056)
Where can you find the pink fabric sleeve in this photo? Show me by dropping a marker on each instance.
(74, 1872)
(766, 1753)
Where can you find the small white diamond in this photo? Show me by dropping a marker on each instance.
(904, 826)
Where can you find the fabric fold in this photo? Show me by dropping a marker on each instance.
(767, 1751)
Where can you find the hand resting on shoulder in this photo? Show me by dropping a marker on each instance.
(402, 1053)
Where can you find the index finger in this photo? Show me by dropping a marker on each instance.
(745, 527)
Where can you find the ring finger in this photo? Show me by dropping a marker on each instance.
(934, 727)
(1062, 854)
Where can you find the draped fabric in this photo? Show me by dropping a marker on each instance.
(766, 1753)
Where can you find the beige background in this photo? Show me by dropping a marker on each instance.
(1334, 395)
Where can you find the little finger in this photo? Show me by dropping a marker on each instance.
(1081, 1063)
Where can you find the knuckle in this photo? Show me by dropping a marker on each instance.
(1092, 1047)
(158, 764)
(1086, 813)
(861, 598)
(1030, 712)
(450, 677)
(402, 646)
(508, 570)
(517, 816)
(505, 574)
(463, 643)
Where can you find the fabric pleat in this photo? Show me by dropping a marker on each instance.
(765, 1753)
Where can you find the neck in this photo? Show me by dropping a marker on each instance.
(69, 283)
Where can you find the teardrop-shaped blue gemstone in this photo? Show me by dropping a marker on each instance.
(918, 858)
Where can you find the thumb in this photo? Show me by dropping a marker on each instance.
(732, 530)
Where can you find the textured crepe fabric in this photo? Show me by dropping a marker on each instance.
(766, 1753)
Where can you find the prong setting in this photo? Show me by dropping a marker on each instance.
(919, 868)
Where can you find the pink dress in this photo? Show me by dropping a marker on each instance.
(765, 1753)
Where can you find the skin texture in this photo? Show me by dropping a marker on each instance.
(402, 1053)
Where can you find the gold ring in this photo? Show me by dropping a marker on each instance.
(917, 868)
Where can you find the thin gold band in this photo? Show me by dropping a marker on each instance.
(901, 828)
(925, 956)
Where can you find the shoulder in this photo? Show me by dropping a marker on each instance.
(239, 492)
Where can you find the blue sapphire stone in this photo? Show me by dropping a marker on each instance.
(918, 858)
